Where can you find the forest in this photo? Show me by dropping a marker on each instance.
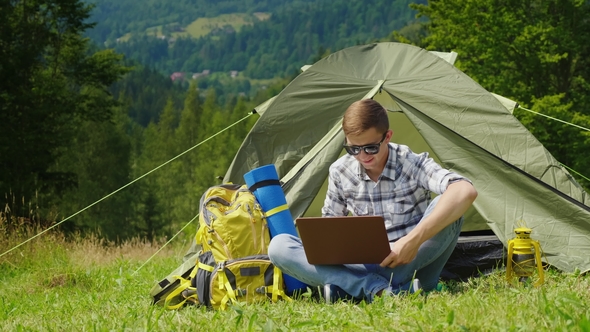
(83, 115)
(119, 17)
(277, 46)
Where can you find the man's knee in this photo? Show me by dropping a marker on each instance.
(280, 248)
(454, 227)
(457, 225)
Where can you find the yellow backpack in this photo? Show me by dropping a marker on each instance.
(233, 265)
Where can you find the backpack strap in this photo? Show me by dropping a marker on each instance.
(185, 284)
(199, 236)
(276, 210)
(265, 183)
(230, 293)
(205, 267)
(274, 289)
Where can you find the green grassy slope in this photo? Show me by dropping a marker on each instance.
(202, 26)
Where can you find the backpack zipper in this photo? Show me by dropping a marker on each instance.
(212, 230)
(223, 244)
(252, 222)
(264, 228)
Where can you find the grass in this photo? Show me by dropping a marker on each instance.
(80, 284)
(204, 25)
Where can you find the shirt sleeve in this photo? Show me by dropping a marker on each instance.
(432, 176)
(334, 204)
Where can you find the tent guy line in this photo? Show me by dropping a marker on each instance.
(164, 245)
(128, 184)
(573, 170)
(552, 118)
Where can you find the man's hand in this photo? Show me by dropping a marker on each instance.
(403, 251)
(451, 206)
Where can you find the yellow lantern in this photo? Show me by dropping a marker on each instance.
(523, 254)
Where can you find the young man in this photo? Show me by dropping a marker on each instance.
(377, 177)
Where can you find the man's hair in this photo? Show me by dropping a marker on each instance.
(363, 115)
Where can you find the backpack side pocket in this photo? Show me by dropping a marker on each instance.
(205, 266)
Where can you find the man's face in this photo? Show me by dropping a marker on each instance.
(374, 163)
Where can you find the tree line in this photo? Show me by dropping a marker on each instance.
(279, 46)
(119, 17)
(51, 82)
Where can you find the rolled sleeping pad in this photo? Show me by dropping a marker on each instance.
(264, 183)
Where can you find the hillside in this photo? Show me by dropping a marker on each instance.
(117, 18)
(201, 27)
(254, 39)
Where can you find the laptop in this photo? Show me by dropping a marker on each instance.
(344, 240)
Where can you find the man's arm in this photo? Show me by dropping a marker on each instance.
(451, 206)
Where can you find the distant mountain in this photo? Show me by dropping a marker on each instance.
(116, 18)
(251, 39)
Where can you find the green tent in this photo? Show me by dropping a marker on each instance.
(434, 107)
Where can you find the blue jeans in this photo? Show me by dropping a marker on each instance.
(365, 280)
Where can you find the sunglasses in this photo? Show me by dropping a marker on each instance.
(369, 148)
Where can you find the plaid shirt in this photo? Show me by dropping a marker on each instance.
(400, 195)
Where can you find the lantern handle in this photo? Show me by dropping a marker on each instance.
(539, 263)
(509, 260)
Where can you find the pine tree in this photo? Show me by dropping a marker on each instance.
(52, 82)
(100, 156)
(187, 136)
